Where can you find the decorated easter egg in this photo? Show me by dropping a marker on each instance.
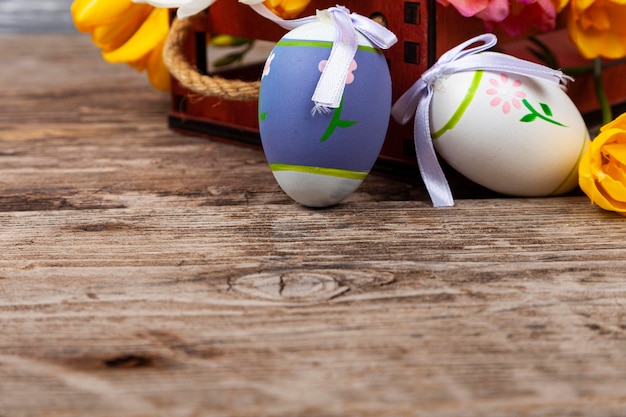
(320, 157)
(512, 134)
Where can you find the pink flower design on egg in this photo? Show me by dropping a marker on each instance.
(505, 92)
(268, 64)
(351, 69)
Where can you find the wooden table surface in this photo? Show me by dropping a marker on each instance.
(146, 273)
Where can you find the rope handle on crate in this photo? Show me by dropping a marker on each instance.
(192, 80)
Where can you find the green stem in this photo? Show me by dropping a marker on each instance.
(605, 106)
(336, 122)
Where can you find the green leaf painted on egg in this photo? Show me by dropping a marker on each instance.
(534, 114)
(346, 123)
(546, 109)
(337, 122)
(528, 118)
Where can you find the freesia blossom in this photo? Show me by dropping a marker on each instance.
(598, 27)
(602, 170)
(514, 17)
(495, 10)
(127, 32)
(524, 15)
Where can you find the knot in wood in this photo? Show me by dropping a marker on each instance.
(296, 286)
(307, 286)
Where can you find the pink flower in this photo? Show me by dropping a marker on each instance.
(514, 17)
(524, 15)
(495, 10)
(351, 69)
(506, 94)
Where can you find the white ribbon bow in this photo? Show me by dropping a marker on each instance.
(332, 82)
(416, 101)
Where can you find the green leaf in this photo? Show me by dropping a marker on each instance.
(227, 60)
(228, 40)
(528, 118)
(263, 116)
(540, 55)
(545, 54)
(546, 109)
(346, 123)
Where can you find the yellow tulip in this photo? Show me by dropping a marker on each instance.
(287, 9)
(602, 169)
(114, 34)
(127, 32)
(89, 13)
(597, 27)
(149, 35)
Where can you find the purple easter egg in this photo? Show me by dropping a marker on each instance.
(319, 159)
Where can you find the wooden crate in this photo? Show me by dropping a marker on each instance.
(425, 30)
(421, 30)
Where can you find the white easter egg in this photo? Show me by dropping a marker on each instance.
(512, 134)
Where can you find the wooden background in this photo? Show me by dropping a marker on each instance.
(145, 273)
(35, 16)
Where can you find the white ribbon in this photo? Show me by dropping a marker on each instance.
(332, 82)
(416, 101)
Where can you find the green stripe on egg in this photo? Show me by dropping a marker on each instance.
(316, 186)
(458, 113)
(321, 44)
(331, 172)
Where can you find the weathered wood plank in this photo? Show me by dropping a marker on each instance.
(144, 273)
(287, 311)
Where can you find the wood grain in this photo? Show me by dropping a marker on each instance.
(145, 273)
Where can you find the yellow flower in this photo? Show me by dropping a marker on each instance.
(559, 5)
(287, 9)
(602, 170)
(597, 27)
(127, 32)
